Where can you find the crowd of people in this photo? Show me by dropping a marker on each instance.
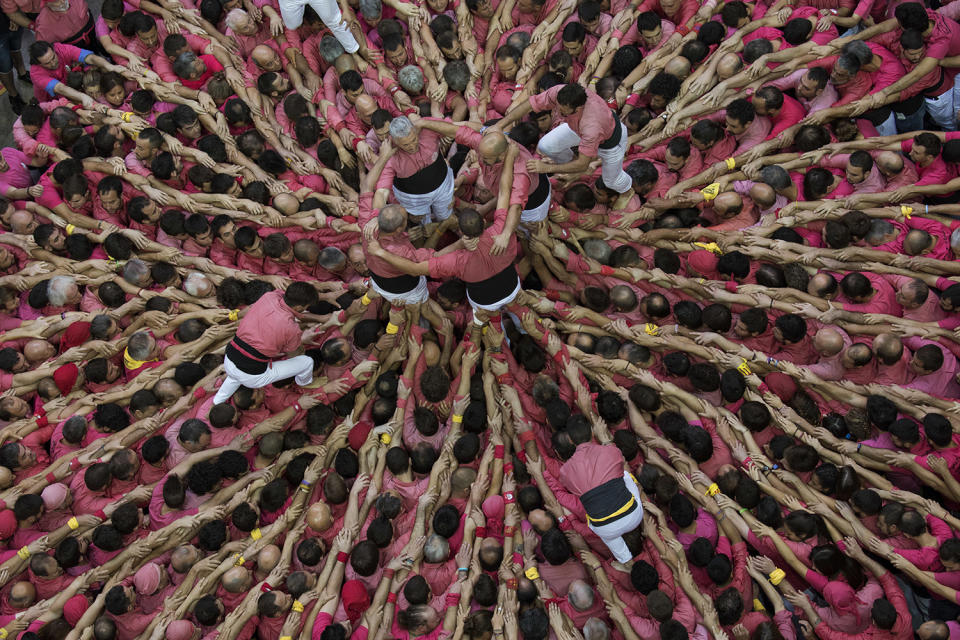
(480, 319)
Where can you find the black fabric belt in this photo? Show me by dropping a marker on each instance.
(426, 180)
(540, 194)
(614, 139)
(81, 35)
(494, 288)
(609, 502)
(246, 358)
(400, 284)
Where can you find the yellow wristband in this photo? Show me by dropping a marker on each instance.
(73, 524)
(457, 418)
(712, 247)
(385, 438)
(711, 191)
(906, 211)
(297, 606)
(365, 300)
(285, 638)
(392, 328)
(24, 553)
(3, 633)
(731, 163)
(256, 534)
(777, 576)
(126, 116)
(758, 606)
(744, 368)
(239, 561)
(713, 489)
(532, 573)
(233, 315)
(70, 229)
(651, 329)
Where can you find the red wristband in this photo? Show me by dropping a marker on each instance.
(100, 514)
(498, 451)
(51, 478)
(606, 270)
(508, 467)
(526, 436)
(509, 530)
(40, 411)
(42, 422)
(512, 583)
(453, 599)
(559, 357)
(509, 498)
(342, 316)
(506, 379)
(517, 558)
(350, 219)
(522, 456)
(763, 388)
(342, 556)
(266, 588)
(481, 532)
(565, 524)
(391, 597)
(75, 464)
(389, 573)
(199, 393)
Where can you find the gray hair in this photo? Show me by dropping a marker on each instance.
(519, 40)
(955, 239)
(775, 176)
(138, 346)
(195, 284)
(371, 9)
(411, 78)
(401, 127)
(848, 63)
(858, 49)
(58, 290)
(135, 271)
(234, 18)
(331, 258)
(878, 230)
(183, 65)
(330, 48)
(437, 549)
(597, 249)
(457, 75)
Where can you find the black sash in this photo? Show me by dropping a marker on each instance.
(539, 195)
(246, 358)
(400, 284)
(426, 180)
(614, 139)
(495, 288)
(609, 502)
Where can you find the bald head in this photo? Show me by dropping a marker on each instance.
(492, 147)
(183, 558)
(889, 163)
(344, 63)
(319, 518)
(857, 355)
(580, 595)
(38, 351)
(265, 58)
(22, 595)
(236, 580)
(828, 342)
(167, 391)
(392, 219)
(268, 558)
(596, 629)
(460, 482)
(678, 67)
(888, 348)
(728, 204)
(917, 242)
(763, 195)
(306, 251)
(913, 293)
(822, 285)
(729, 65)
(22, 222)
(365, 107)
(286, 203)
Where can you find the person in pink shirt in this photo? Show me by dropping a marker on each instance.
(50, 64)
(935, 367)
(782, 110)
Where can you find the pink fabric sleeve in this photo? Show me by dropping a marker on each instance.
(27, 144)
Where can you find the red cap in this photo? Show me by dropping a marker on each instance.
(358, 435)
(65, 377)
(75, 335)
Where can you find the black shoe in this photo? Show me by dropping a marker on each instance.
(25, 77)
(16, 104)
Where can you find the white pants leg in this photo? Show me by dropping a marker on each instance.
(612, 169)
(418, 294)
(300, 368)
(434, 206)
(888, 127)
(442, 206)
(329, 12)
(557, 144)
(943, 111)
(612, 534)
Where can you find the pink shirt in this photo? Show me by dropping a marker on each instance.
(404, 165)
(44, 80)
(17, 176)
(594, 122)
(270, 326)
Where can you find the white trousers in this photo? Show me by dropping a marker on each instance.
(538, 213)
(299, 367)
(329, 12)
(943, 108)
(415, 296)
(612, 534)
(557, 144)
(435, 206)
